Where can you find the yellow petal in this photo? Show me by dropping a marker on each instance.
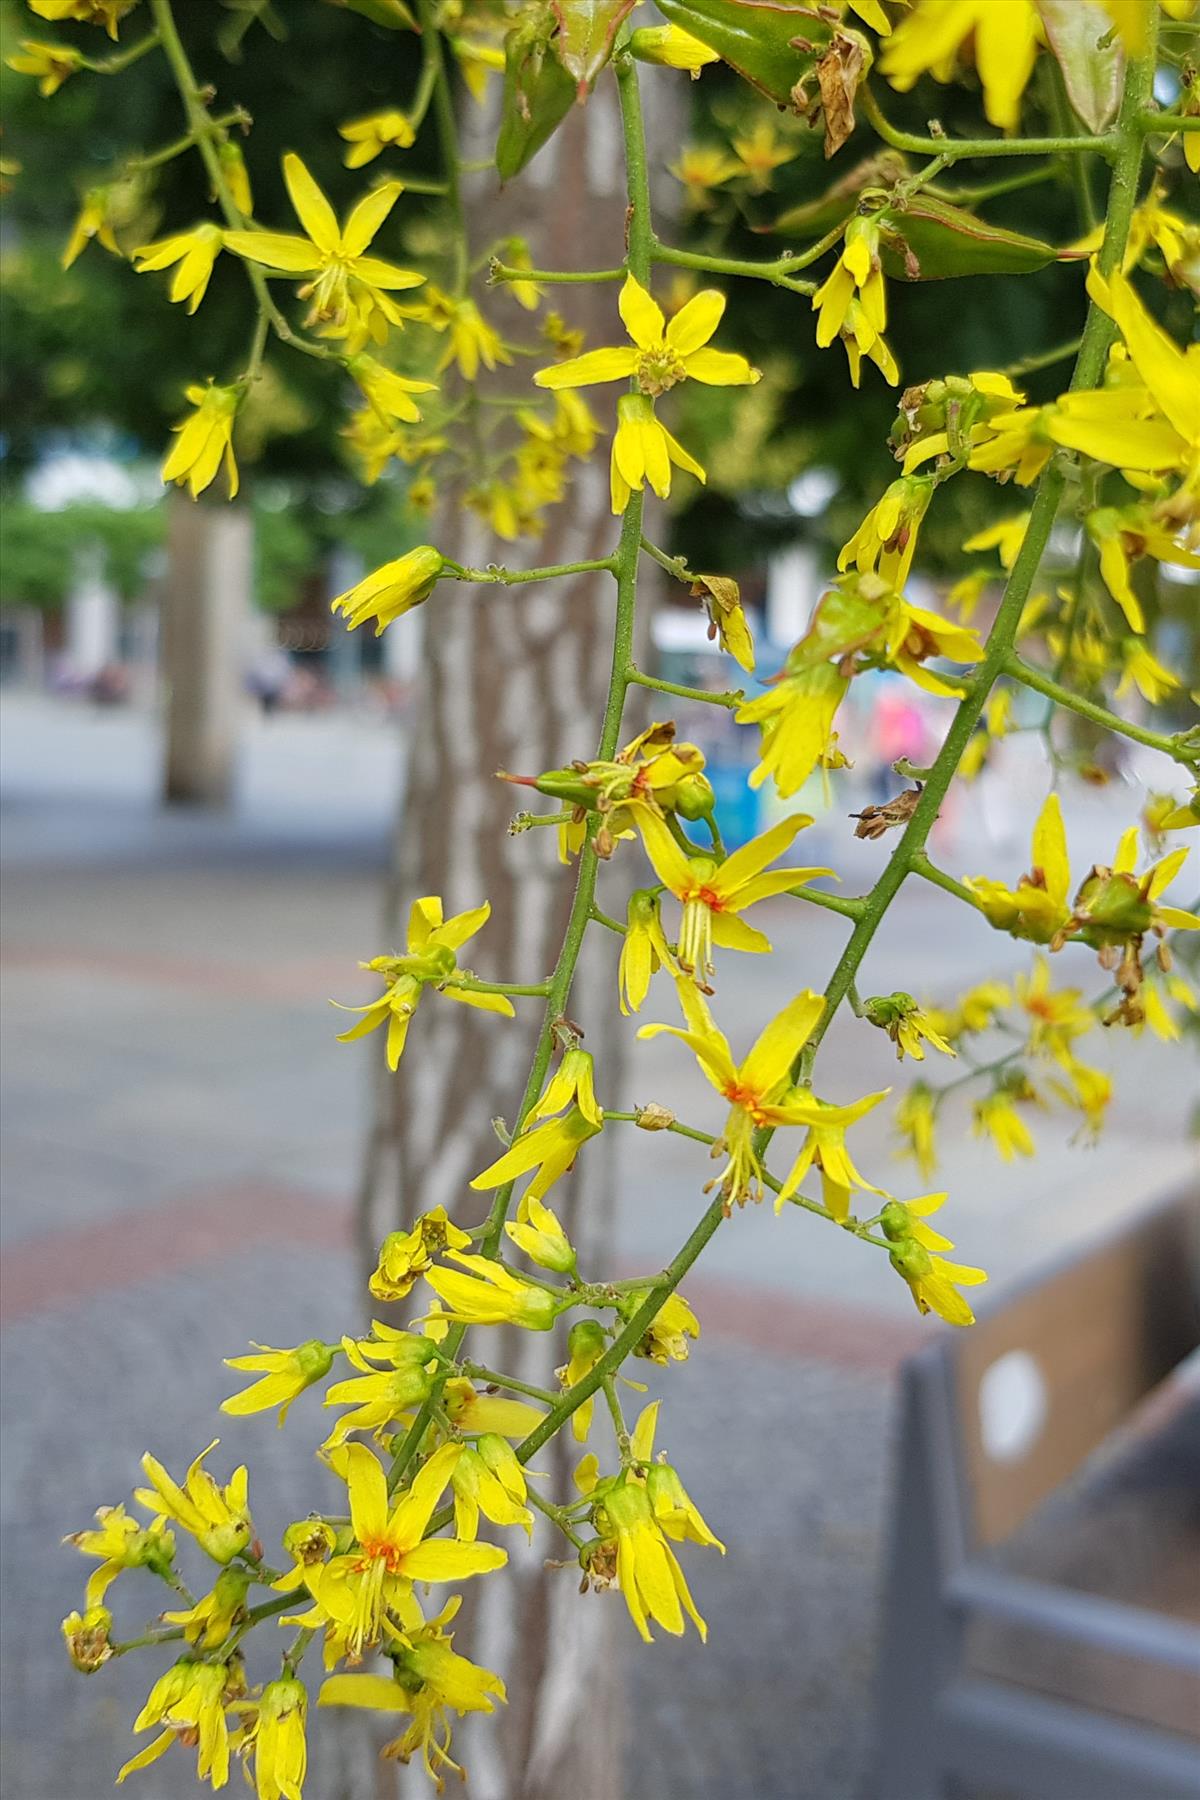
(641, 315)
(777, 1046)
(368, 216)
(721, 368)
(695, 323)
(595, 365)
(275, 250)
(312, 208)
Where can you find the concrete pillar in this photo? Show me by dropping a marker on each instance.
(92, 617)
(206, 605)
(792, 588)
(344, 665)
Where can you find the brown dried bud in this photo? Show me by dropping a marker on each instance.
(873, 821)
(654, 1117)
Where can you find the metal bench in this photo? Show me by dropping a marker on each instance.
(993, 1678)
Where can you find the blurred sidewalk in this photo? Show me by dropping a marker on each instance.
(182, 1135)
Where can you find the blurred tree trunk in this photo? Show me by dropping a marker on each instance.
(515, 679)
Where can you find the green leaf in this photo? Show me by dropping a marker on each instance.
(586, 31)
(538, 94)
(930, 240)
(772, 44)
(1094, 76)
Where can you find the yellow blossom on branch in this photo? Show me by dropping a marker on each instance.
(996, 1117)
(909, 1027)
(758, 1089)
(388, 593)
(824, 1148)
(886, 541)
(795, 715)
(488, 1479)
(274, 1741)
(190, 1701)
(1003, 35)
(211, 1620)
(643, 450)
(217, 1517)
(105, 13)
(370, 136)
(286, 1373)
(121, 1542)
(489, 1295)
(205, 441)
(50, 64)
(714, 894)
(347, 289)
(430, 1681)
(195, 251)
(851, 302)
(404, 1256)
(430, 960)
(662, 353)
(644, 949)
(915, 1121)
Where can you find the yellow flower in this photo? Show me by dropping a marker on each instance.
(52, 64)
(674, 1509)
(488, 1479)
(195, 251)
(661, 354)
(1164, 812)
(376, 1398)
(430, 960)
(1038, 907)
(431, 1681)
(1089, 1089)
(1004, 36)
(644, 949)
(1005, 537)
(105, 13)
(210, 1621)
(933, 1282)
(276, 1741)
(1132, 19)
(672, 47)
(87, 1638)
(217, 1517)
(390, 592)
(370, 136)
(1170, 377)
(902, 1219)
(551, 1146)
(1056, 1015)
(646, 1570)
(758, 1090)
(887, 538)
(586, 1344)
(286, 1374)
(908, 1026)
(699, 168)
(1122, 535)
(760, 153)
(916, 1117)
(824, 1148)
(643, 450)
(713, 894)
(666, 1336)
(358, 1590)
(722, 599)
(472, 1412)
(471, 341)
(237, 177)
(307, 1542)
(796, 717)
(477, 62)
(94, 220)
(1154, 1008)
(348, 289)
(389, 394)
(996, 1117)
(489, 1295)
(856, 279)
(404, 1256)
(121, 1543)
(539, 1234)
(205, 441)
(190, 1700)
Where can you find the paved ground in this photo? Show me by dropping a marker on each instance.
(181, 1135)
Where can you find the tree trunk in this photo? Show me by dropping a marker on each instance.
(515, 679)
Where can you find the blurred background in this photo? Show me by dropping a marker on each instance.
(201, 774)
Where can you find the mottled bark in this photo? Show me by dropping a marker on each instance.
(515, 679)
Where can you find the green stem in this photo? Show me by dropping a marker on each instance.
(684, 693)
(495, 574)
(998, 651)
(498, 271)
(123, 59)
(625, 567)
(1099, 715)
(922, 866)
(478, 1372)
(556, 1514)
(956, 149)
(526, 989)
(774, 272)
